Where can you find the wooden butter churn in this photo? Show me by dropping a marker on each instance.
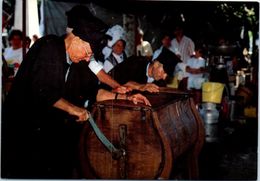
(158, 142)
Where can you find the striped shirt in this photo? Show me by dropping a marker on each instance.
(184, 48)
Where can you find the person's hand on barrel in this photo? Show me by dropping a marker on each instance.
(135, 98)
(138, 98)
(122, 89)
(150, 87)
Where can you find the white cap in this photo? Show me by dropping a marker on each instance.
(117, 33)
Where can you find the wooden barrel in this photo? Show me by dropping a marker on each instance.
(155, 138)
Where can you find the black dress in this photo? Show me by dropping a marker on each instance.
(132, 69)
(38, 140)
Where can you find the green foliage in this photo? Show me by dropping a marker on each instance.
(239, 12)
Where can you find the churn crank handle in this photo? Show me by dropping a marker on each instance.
(116, 153)
(123, 158)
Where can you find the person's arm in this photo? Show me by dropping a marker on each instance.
(150, 87)
(135, 98)
(195, 70)
(107, 79)
(191, 48)
(71, 109)
(202, 70)
(201, 67)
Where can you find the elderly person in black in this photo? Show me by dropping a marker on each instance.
(80, 15)
(140, 74)
(39, 138)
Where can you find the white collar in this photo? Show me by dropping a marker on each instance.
(68, 59)
(149, 79)
(118, 56)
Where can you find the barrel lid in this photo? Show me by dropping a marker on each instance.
(164, 97)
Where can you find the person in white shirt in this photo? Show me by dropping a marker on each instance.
(114, 53)
(14, 54)
(182, 45)
(143, 48)
(166, 42)
(194, 70)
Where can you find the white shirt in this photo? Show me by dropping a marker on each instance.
(94, 66)
(13, 56)
(68, 70)
(109, 66)
(196, 80)
(157, 53)
(145, 49)
(196, 63)
(149, 79)
(184, 48)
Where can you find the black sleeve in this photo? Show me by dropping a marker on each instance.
(132, 69)
(44, 66)
(82, 84)
(119, 74)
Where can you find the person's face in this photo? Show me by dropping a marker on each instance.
(28, 43)
(158, 72)
(198, 53)
(79, 50)
(118, 47)
(178, 31)
(16, 41)
(166, 41)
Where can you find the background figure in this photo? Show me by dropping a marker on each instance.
(28, 42)
(114, 51)
(143, 48)
(6, 82)
(14, 54)
(182, 45)
(196, 69)
(191, 74)
(166, 42)
(34, 38)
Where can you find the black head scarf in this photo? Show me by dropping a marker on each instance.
(88, 28)
(169, 60)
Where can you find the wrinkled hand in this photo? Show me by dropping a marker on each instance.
(139, 98)
(150, 87)
(122, 90)
(81, 113)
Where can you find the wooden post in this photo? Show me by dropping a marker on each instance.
(129, 26)
(24, 27)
